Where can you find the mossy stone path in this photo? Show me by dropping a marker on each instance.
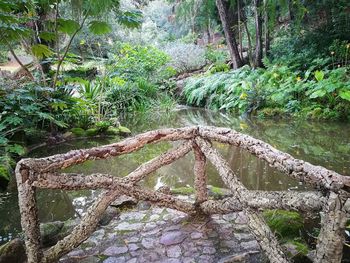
(165, 235)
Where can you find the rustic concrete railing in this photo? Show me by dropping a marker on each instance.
(331, 197)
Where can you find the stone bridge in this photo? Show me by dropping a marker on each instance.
(330, 196)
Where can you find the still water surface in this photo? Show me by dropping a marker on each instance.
(321, 143)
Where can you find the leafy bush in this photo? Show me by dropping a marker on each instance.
(340, 52)
(134, 78)
(184, 56)
(129, 96)
(24, 110)
(102, 126)
(310, 48)
(132, 63)
(277, 89)
(216, 56)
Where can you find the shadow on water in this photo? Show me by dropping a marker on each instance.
(326, 144)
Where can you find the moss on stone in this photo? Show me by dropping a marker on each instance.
(218, 193)
(67, 228)
(50, 231)
(78, 132)
(217, 190)
(112, 131)
(13, 251)
(123, 129)
(91, 132)
(286, 224)
(183, 190)
(102, 257)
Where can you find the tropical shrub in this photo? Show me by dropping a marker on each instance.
(313, 94)
(26, 110)
(216, 56)
(132, 63)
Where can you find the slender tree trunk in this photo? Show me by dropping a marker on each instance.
(208, 31)
(250, 52)
(267, 29)
(40, 25)
(290, 10)
(258, 34)
(239, 29)
(223, 8)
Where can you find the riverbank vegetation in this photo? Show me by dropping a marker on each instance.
(291, 61)
(81, 66)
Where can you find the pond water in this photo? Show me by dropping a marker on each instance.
(321, 143)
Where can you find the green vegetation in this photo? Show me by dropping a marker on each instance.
(297, 65)
(286, 224)
(76, 69)
(276, 90)
(183, 190)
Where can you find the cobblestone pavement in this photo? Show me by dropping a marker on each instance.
(169, 236)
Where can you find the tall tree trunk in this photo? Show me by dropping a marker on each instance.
(258, 34)
(267, 28)
(249, 39)
(40, 26)
(223, 8)
(239, 29)
(290, 10)
(208, 31)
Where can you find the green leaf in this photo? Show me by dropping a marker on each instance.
(17, 149)
(13, 120)
(41, 51)
(2, 126)
(48, 36)
(319, 75)
(130, 19)
(60, 124)
(318, 94)
(99, 27)
(45, 116)
(3, 141)
(59, 105)
(67, 26)
(344, 94)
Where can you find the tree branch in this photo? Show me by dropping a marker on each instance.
(28, 73)
(60, 61)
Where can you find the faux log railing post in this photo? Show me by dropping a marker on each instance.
(256, 223)
(29, 212)
(82, 231)
(200, 177)
(331, 239)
